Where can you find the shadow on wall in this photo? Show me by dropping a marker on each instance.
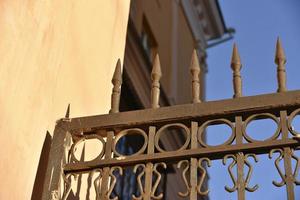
(42, 167)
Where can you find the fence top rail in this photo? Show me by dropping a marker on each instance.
(206, 110)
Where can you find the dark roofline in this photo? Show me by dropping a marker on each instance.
(221, 16)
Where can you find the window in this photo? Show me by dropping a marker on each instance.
(148, 41)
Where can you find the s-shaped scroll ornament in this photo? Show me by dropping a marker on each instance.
(148, 191)
(248, 177)
(240, 181)
(203, 175)
(278, 159)
(153, 191)
(230, 167)
(139, 180)
(296, 171)
(113, 181)
(98, 182)
(184, 176)
(282, 174)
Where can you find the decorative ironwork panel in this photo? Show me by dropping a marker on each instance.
(194, 157)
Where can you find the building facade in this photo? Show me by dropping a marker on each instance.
(172, 29)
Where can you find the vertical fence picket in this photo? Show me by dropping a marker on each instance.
(193, 162)
(280, 60)
(289, 179)
(240, 159)
(105, 182)
(116, 91)
(155, 75)
(236, 67)
(195, 71)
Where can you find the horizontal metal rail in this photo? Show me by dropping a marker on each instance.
(205, 110)
(213, 153)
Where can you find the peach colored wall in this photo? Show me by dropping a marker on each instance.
(52, 53)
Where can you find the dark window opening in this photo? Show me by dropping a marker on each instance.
(148, 40)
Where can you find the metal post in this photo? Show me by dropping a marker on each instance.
(240, 159)
(194, 162)
(106, 170)
(289, 180)
(52, 184)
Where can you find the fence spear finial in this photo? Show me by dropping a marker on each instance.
(116, 91)
(155, 75)
(195, 71)
(67, 115)
(280, 60)
(236, 67)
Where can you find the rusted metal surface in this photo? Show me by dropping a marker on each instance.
(194, 156)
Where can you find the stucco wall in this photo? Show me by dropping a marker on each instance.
(52, 53)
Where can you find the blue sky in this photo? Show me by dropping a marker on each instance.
(257, 23)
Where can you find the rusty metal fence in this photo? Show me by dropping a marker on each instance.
(195, 155)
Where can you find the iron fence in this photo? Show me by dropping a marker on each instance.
(194, 156)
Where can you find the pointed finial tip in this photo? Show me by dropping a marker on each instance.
(279, 55)
(195, 61)
(118, 63)
(118, 66)
(235, 59)
(156, 69)
(195, 52)
(118, 71)
(68, 112)
(278, 43)
(235, 48)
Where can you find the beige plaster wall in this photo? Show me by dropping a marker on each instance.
(52, 53)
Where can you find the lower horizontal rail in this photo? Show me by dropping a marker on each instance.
(213, 153)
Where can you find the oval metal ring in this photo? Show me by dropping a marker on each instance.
(217, 121)
(130, 131)
(267, 116)
(290, 120)
(88, 137)
(160, 132)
